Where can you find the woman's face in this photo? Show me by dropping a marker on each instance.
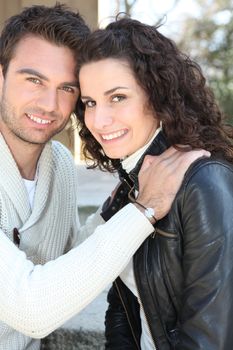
(116, 110)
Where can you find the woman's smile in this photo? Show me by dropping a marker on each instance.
(114, 135)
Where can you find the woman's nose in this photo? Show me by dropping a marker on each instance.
(103, 117)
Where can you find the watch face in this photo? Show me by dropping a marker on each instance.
(149, 212)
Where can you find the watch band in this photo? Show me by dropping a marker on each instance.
(148, 212)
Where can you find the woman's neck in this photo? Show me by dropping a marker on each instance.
(129, 163)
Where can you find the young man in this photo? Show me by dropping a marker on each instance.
(38, 185)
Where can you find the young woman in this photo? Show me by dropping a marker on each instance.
(139, 95)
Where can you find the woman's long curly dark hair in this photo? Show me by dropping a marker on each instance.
(174, 84)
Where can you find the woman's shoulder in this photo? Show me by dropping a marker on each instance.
(209, 169)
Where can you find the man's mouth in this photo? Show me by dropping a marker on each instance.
(114, 135)
(37, 119)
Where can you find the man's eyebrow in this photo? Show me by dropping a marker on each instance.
(43, 77)
(32, 72)
(71, 83)
(108, 92)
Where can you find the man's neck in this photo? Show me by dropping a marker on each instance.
(26, 155)
(27, 165)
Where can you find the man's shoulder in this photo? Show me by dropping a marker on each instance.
(62, 157)
(61, 151)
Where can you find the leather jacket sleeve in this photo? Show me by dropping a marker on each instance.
(206, 218)
(118, 333)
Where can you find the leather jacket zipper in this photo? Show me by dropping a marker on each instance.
(163, 233)
(125, 308)
(148, 325)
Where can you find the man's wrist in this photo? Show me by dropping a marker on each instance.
(147, 211)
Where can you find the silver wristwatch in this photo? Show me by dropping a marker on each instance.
(147, 211)
(150, 214)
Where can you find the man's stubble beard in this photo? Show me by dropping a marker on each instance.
(8, 117)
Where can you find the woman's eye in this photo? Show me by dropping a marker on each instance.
(118, 98)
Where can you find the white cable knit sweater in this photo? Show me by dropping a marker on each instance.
(35, 300)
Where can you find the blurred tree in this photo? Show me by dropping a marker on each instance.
(128, 6)
(209, 39)
(125, 6)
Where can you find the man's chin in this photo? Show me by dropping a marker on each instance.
(35, 140)
(36, 137)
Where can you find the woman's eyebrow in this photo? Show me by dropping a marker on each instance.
(114, 89)
(108, 92)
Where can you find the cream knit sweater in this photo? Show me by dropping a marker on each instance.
(36, 299)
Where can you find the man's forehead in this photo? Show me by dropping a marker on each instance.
(36, 53)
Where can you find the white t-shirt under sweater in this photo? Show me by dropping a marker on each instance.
(127, 275)
(31, 188)
(40, 289)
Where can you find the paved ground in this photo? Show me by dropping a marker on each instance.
(94, 188)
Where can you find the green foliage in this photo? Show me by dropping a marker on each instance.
(209, 39)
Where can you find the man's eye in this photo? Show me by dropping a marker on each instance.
(89, 103)
(68, 89)
(34, 80)
(118, 98)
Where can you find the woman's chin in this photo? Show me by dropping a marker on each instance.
(115, 155)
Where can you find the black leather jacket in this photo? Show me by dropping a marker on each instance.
(184, 271)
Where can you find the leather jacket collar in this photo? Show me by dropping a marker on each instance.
(158, 146)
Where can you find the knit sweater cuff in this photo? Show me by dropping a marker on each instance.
(131, 217)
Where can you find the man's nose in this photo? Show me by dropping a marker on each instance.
(48, 100)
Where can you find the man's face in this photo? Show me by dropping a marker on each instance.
(38, 92)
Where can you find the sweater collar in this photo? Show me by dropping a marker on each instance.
(45, 174)
(12, 183)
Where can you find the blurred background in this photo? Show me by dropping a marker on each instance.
(201, 28)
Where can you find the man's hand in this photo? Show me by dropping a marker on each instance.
(161, 176)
